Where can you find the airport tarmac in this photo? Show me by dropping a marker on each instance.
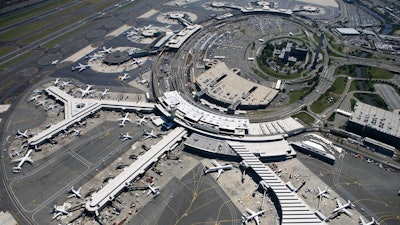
(371, 188)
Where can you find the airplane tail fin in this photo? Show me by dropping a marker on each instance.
(72, 68)
(205, 169)
(16, 169)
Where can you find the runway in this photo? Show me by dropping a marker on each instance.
(195, 199)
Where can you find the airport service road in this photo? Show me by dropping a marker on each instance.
(372, 189)
(194, 199)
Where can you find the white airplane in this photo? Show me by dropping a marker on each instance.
(322, 193)
(81, 67)
(124, 119)
(141, 120)
(21, 161)
(34, 98)
(253, 216)
(52, 106)
(36, 91)
(104, 93)
(55, 62)
(76, 133)
(149, 134)
(64, 84)
(131, 33)
(56, 81)
(217, 168)
(372, 222)
(124, 77)
(41, 103)
(177, 3)
(59, 211)
(125, 137)
(94, 57)
(136, 29)
(137, 62)
(86, 91)
(75, 193)
(106, 50)
(22, 135)
(154, 190)
(148, 27)
(343, 208)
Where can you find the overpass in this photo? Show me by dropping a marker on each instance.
(99, 199)
(76, 109)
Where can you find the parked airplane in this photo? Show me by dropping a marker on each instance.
(253, 216)
(149, 134)
(217, 168)
(343, 208)
(106, 50)
(22, 135)
(141, 120)
(59, 211)
(124, 77)
(125, 137)
(322, 193)
(81, 67)
(75, 193)
(52, 106)
(21, 161)
(137, 62)
(36, 91)
(86, 91)
(41, 103)
(56, 81)
(76, 133)
(154, 190)
(94, 57)
(123, 119)
(34, 98)
(148, 27)
(104, 93)
(131, 33)
(136, 29)
(168, 26)
(55, 62)
(372, 222)
(64, 84)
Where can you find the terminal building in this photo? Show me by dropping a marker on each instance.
(224, 87)
(375, 123)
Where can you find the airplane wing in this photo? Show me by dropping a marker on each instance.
(17, 160)
(219, 172)
(29, 160)
(257, 220)
(362, 221)
(251, 212)
(338, 203)
(216, 163)
(347, 212)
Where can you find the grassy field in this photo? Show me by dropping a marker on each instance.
(297, 95)
(323, 102)
(366, 72)
(372, 99)
(31, 12)
(338, 86)
(305, 117)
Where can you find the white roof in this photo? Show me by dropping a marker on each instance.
(348, 31)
